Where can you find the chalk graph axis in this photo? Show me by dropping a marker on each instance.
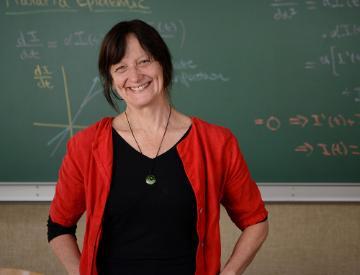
(69, 127)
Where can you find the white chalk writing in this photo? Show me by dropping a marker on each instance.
(187, 72)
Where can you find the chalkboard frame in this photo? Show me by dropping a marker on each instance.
(44, 192)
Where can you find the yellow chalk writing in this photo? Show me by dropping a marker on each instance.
(43, 77)
(23, 7)
(107, 4)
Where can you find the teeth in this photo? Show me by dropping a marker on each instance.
(139, 88)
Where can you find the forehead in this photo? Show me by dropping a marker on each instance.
(133, 48)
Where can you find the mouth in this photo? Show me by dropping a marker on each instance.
(140, 87)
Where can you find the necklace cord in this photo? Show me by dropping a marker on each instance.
(162, 139)
(150, 179)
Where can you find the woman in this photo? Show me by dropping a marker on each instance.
(151, 178)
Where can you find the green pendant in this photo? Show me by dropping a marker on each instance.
(150, 179)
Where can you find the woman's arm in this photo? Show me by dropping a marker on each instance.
(67, 250)
(245, 249)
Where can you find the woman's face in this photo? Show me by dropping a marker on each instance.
(137, 78)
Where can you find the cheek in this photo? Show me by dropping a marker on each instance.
(118, 82)
(116, 86)
(159, 75)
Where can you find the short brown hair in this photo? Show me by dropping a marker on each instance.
(113, 47)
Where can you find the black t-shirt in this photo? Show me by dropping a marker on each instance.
(148, 229)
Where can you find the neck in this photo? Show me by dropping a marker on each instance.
(150, 118)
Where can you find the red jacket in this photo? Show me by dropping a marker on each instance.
(212, 161)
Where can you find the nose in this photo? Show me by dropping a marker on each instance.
(134, 75)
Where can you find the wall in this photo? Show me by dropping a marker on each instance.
(306, 238)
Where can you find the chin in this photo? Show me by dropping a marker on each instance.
(145, 102)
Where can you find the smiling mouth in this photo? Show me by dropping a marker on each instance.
(140, 87)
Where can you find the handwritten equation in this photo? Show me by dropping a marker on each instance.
(353, 93)
(171, 30)
(274, 123)
(30, 43)
(318, 120)
(43, 77)
(338, 149)
(343, 31)
(284, 10)
(16, 7)
(334, 59)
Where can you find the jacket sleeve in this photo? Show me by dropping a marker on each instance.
(69, 201)
(241, 196)
(55, 230)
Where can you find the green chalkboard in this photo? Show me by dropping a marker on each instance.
(284, 76)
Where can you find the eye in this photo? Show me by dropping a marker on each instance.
(120, 68)
(144, 61)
